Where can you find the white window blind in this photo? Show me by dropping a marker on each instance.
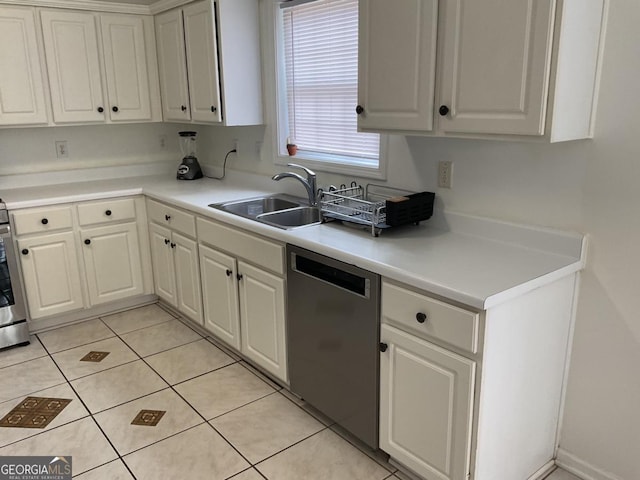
(321, 68)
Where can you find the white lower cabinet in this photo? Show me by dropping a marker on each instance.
(244, 303)
(51, 274)
(262, 313)
(460, 388)
(112, 262)
(176, 270)
(220, 300)
(78, 256)
(185, 254)
(426, 405)
(174, 255)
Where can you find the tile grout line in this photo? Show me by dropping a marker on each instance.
(190, 406)
(247, 366)
(90, 415)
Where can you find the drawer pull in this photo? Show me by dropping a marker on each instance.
(108, 213)
(421, 317)
(87, 242)
(25, 251)
(44, 221)
(167, 217)
(383, 347)
(229, 273)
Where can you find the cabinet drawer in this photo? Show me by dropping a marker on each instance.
(256, 250)
(38, 220)
(442, 321)
(171, 217)
(106, 211)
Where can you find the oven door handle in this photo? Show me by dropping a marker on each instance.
(5, 231)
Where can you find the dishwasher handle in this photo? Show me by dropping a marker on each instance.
(356, 284)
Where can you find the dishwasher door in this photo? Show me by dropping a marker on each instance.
(333, 327)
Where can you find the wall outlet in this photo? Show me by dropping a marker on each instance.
(163, 141)
(236, 145)
(445, 174)
(61, 149)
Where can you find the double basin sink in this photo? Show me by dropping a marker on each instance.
(279, 211)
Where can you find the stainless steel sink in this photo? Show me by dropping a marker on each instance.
(292, 218)
(253, 207)
(277, 210)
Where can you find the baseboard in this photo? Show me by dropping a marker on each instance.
(543, 471)
(582, 469)
(49, 323)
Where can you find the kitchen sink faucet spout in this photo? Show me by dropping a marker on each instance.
(309, 183)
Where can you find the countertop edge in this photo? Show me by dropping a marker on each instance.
(143, 187)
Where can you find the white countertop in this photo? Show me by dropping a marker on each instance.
(474, 261)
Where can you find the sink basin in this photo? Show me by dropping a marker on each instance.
(276, 210)
(253, 207)
(293, 217)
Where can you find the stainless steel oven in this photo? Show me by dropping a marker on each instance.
(13, 320)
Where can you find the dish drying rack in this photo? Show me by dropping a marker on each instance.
(364, 206)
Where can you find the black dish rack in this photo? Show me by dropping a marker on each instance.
(376, 206)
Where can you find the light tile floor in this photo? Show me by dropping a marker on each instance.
(223, 419)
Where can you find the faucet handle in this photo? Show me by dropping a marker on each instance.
(309, 172)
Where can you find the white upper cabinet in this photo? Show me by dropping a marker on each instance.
(495, 66)
(525, 67)
(74, 67)
(202, 62)
(125, 60)
(101, 75)
(172, 66)
(22, 100)
(397, 78)
(209, 62)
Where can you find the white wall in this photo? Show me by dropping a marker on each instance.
(590, 186)
(32, 150)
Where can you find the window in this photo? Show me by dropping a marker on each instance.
(318, 82)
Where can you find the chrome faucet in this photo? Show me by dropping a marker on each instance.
(309, 183)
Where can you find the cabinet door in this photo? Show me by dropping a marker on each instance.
(164, 277)
(21, 86)
(262, 319)
(112, 261)
(495, 65)
(172, 66)
(125, 60)
(396, 63)
(220, 295)
(51, 274)
(189, 299)
(426, 404)
(73, 65)
(202, 62)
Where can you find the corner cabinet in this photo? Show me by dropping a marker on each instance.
(460, 388)
(209, 63)
(102, 67)
(476, 68)
(93, 247)
(22, 99)
(244, 294)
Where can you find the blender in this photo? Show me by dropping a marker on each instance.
(189, 169)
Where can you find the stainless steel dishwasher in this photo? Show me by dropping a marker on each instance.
(333, 325)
